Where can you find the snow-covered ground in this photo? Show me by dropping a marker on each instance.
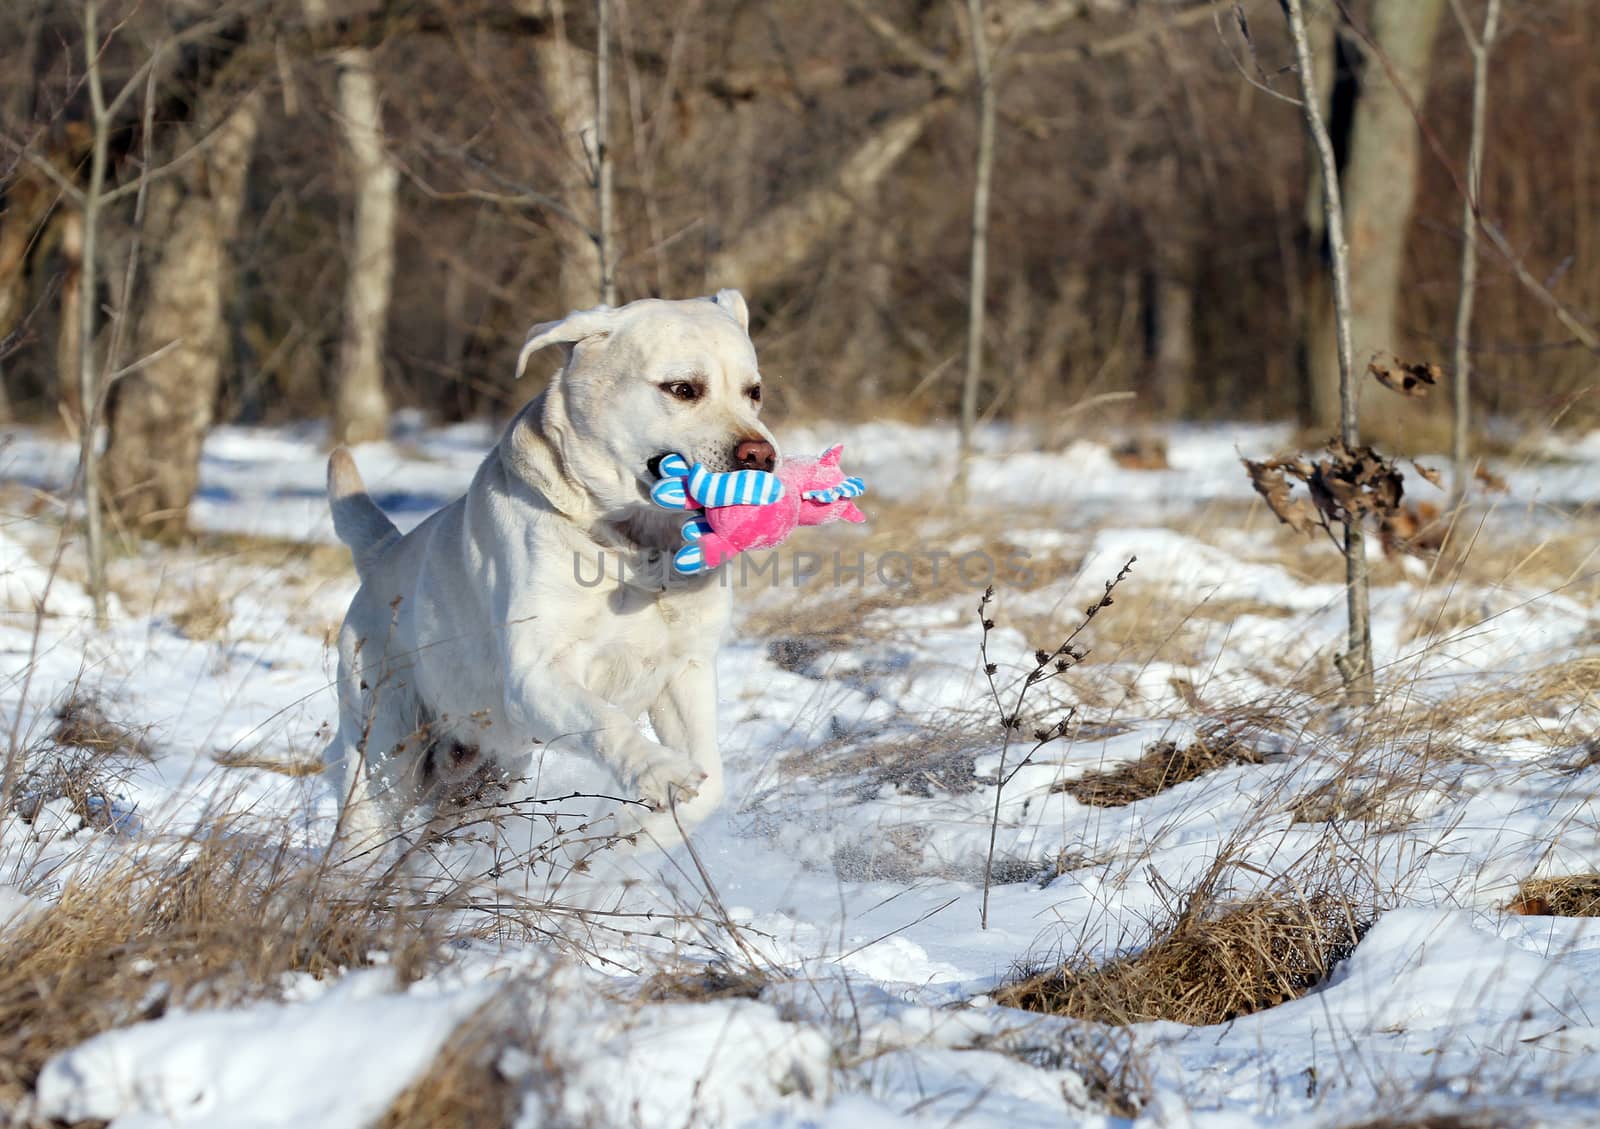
(843, 876)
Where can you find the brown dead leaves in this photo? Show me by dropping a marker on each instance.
(1409, 378)
(1270, 477)
(1343, 484)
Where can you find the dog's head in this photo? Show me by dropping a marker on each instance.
(650, 378)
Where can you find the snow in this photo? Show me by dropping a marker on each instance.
(228, 1069)
(846, 863)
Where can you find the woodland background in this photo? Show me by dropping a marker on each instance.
(341, 208)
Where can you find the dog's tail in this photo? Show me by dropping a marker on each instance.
(357, 519)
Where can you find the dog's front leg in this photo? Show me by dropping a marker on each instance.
(685, 717)
(546, 701)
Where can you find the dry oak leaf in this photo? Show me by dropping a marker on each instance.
(1413, 379)
(1270, 479)
(1416, 530)
(1490, 481)
(1355, 484)
(1428, 472)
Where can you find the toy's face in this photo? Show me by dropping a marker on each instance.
(806, 476)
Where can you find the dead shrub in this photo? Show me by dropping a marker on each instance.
(204, 615)
(1164, 765)
(83, 761)
(82, 723)
(221, 928)
(1574, 895)
(1208, 967)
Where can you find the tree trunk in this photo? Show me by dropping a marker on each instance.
(1461, 400)
(160, 414)
(1379, 183)
(602, 152)
(1174, 310)
(361, 408)
(565, 75)
(1320, 399)
(1355, 664)
(977, 286)
(868, 349)
(777, 245)
(69, 333)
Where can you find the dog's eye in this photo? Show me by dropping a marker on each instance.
(754, 392)
(682, 389)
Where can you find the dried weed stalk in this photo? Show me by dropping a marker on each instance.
(1047, 665)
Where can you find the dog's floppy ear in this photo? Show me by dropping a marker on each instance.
(579, 325)
(733, 302)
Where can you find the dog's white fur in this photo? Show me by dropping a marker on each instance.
(472, 640)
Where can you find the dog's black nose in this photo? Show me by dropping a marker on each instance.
(754, 454)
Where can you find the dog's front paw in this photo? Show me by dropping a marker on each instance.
(668, 778)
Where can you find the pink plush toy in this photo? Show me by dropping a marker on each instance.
(752, 509)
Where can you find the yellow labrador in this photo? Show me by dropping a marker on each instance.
(473, 638)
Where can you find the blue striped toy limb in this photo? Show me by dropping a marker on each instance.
(733, 488)
(669, 493)
(690, 559)
(849, 488)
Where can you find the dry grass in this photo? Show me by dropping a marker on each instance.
(285, 766)
(821, 615)
(203, 614)
(714, 981)
(1208, 967)
(937, 759)
(1164, 765)
(220, 928)
(479, 1079)
(1574, 895)
(82, 723)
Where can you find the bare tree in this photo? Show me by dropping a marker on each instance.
(567, 79)
(983, 171)
(69, 331)
(1480, 45)
(602, 152)
(161, 413)
(361, 405)
(91, 201)
(1355, 664)
(1379, 187)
